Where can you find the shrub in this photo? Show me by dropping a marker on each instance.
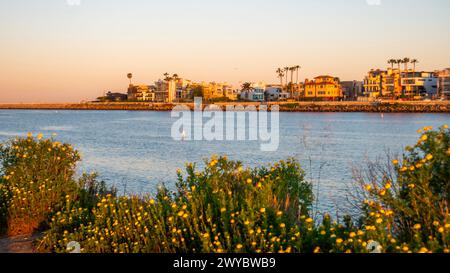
(411, 205)
(37, 182)
(221, 209)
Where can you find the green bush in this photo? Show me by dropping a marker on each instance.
(37, 181)
(225, 208)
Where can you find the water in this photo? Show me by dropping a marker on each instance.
(134, 150)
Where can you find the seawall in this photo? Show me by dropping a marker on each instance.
(383, 107)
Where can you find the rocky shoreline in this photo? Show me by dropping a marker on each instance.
(382, 107)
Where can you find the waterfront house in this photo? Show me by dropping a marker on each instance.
(444, 83)
(141, 92)
(324, 88)
(419, 84)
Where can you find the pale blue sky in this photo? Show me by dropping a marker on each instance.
(51, 51)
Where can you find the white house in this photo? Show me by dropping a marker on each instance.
(276, 94)
(253, 94)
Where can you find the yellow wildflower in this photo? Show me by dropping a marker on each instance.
(417, 226)
(262, 210)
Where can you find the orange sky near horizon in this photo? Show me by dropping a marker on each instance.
(54, 52)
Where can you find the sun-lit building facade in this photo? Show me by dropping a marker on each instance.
(444, 83)
(323, 87)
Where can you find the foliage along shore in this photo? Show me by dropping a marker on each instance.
(226, 208)
(383, 107)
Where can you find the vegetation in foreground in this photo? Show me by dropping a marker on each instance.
(225, 207)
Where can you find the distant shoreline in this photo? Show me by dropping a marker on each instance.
(320, 107)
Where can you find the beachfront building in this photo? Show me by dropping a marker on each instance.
(275, 93)
(419, 84)
(351, 90)
(324, 88)
(375, 83)
(255, 93)
(444, 84)
(141, 93)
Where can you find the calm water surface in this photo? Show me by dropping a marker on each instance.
(135, 148)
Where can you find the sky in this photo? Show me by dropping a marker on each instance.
(75, 50)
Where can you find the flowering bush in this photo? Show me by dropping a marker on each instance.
(226, 208)
(37, 181)
(412, 205)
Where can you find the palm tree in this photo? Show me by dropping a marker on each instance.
(406, 62)
(399, 62)
(166, 77)
(130, 76)
(292, 69)
(175, 77)
(280, 74)
(286, 72)
(415, 62)
(246, 86)
(392, 62)
(297, 68)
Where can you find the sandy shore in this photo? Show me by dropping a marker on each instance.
(383, 107)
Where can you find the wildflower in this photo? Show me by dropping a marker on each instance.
(395, 162)
(404, 169)
(309, 220)
(40, 136)
(448, 151)
(279, 213)
(239, 246)
(323, 232)
(424, 138)
(352, 234)
(262, 210)
(339, 241)
(249, 181)
(411, 186)
(282, 225)
(317, 250)
(223, 210)
(247, 223)
(232, 221)
(379, 221)
(417, 226)
(382, 192)
(429, 157)
(388, 186)
(445, 126)
(368, 187)
(423, 250)
(441, 230)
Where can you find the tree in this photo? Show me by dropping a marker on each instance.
(286, 71)
(415, 62)
(167, 77)
(298, 69)
(405, 61)
(392, 62)
(280, 75)
(399, 62)
(246, 86)
(130, 76)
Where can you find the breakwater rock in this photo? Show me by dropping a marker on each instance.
(382, 107)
